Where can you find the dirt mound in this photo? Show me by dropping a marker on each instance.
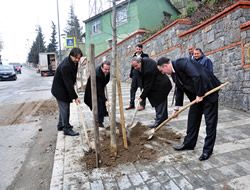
(206, 10)
(48, 107)
(139, 148)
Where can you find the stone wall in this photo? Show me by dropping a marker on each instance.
(224, 38)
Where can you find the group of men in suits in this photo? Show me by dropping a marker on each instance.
(191, 78)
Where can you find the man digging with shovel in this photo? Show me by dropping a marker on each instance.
(194, 80)
(156, 87)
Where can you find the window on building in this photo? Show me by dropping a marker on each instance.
(122, 16)
(96, 27)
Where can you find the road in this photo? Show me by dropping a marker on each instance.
(28, 116)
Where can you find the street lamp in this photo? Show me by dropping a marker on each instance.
(59, 34)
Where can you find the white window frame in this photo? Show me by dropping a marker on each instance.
(96, 27)
(122, 16)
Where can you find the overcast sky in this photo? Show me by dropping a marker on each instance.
(19, 20)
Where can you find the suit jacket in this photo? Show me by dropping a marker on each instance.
(101, 82)
(133, 72)
(156, 86)
(193, 80)
(64, 80)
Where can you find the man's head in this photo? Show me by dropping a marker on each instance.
(164, 65)
(75, 55)
(136, 63)
(138, 48)
(105, 67)
(197, 53)
(191, 50)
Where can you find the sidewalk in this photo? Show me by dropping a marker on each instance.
(228, 167)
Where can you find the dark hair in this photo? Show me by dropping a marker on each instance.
(139, 46)
(199, 49)
(163, 60)
(105, 63)
(75, 52)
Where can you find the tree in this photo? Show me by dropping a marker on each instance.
(52, 47)
(73, 27)
(37, 47)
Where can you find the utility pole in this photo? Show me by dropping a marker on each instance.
(59, 33)
(113, 143)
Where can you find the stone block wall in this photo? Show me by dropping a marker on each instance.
(224, 38)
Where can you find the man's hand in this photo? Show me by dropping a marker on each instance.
(198, 99)
(175, 113)
(77, 101)
(107, 104)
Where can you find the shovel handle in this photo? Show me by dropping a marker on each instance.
(190, 104)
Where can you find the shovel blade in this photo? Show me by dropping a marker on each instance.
(151, 134)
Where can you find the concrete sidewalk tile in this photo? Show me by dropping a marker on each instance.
(97, 184)
(232, 171)
(245, 166)
(76, 181)
(58, 168)
(123, 182)
(170, 185)
(171, 171)
(162, 176)
(155, 186)
(72, 163)
(183, 169)
(148, 177)
(143, 187)
(110, 183)
(136, 179)
(241, 183)
(194, 180)
(217, 175)
(183, 183)
(204, 175)
(56, 183)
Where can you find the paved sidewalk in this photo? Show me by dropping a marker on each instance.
(228, 167)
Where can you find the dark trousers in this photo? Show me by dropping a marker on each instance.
(102, 111)
(161, 111)
(135, 84)
(64, 114)
(210, 111)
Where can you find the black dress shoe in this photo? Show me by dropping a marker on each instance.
(130, 107)
(180, 147)
(204, 156)
(70, 132)
(59, 128)
(100, 125)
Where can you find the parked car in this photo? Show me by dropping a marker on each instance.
(7, 72)
(17, 67)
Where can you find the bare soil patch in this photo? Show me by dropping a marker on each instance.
(139, 148)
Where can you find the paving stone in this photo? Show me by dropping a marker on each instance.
(75, 181)
(245, 166)
(194, 180)
(241, 183)
(183, 169)
(136, 179)
(171, 171)
(216, 174)
(123, 182)
(110, 183)
(162, 176)
(155, 186)
(148, 177)
(205, 175)
(183, 183)
(232, 171)
(170, 185)
(144, 187)
(97, 184)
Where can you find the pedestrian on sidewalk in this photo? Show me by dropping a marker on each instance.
(194, 81)
(136, 80)
(156, 87)
(200, 58)
(63, 89)
(102, 79)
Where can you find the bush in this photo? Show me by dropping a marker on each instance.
(191, 9)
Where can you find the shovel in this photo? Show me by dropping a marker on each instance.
(131, 125)
(152, 131)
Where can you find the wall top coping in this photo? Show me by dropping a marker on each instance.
(245, 26)
(239, 4)
(140, 31)
(178, 21)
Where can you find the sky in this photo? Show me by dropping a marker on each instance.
(20, 18)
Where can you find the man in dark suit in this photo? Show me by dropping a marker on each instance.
(63, 89)
(102, 79)
(136, 80)
(194, 80)
(156, 87)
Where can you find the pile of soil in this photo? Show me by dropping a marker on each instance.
(206, 10)
(139, 148)
(48, 107)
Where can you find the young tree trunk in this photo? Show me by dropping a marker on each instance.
(113, 144)
(94, 103)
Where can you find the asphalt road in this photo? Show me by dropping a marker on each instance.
(27, 131)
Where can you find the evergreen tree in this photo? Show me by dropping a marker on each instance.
(73, 27)
(52, 47)
(37, 47)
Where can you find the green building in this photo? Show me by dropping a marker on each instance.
(132, 15)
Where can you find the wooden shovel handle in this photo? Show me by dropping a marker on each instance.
(190, 104)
